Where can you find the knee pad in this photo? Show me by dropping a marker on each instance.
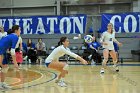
(66, 67)
(5, 69)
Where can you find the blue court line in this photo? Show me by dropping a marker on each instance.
(130, 64)
(110, 64)
(120, 64)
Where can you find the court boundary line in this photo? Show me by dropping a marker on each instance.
(107, 64)
(53, 77)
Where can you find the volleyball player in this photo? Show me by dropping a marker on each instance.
(7, 42)
(52, 61)
(2, 32)
(106, 40)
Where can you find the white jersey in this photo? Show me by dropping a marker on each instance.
(108, 38)
(58, 52)
(19, 41)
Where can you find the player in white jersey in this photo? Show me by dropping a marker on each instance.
(2, 32)
(52, 61)
(106, 40)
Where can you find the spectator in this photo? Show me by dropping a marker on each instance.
(93, 48)
(31, 51)
(41, 50)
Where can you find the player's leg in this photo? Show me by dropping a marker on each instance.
(114, 57)
(1, 74)
(63, 68)
(105, 55)
(4, 71)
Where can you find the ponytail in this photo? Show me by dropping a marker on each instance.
(59, 43)
(9, 31)
(62, 39)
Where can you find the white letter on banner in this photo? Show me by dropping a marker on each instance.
(26, 25)
(52, 21)
(62, 21)
(139, 22)
(76, 21)
(40, 26)
(17, 21)
(10, 23)
(134, 23)
(2, 22)
(113, 21)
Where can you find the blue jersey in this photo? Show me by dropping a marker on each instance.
(96, 45)
(33, 45)
(5, 59)
(7, 42)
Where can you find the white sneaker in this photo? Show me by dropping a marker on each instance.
(89, 57)
(5, 86)
(62, 84)
(93, 62)
(102, 71)
(25, 58)
(116, 68)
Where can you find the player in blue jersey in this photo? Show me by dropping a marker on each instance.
(10, 41)
(3, 34)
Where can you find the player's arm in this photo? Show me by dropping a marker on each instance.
(116, 41)
(102, 39)
(68, 52)
(13, 56)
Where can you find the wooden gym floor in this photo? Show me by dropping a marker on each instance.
(81, 79)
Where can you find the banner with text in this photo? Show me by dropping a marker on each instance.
(125, 22)
(46, 24)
